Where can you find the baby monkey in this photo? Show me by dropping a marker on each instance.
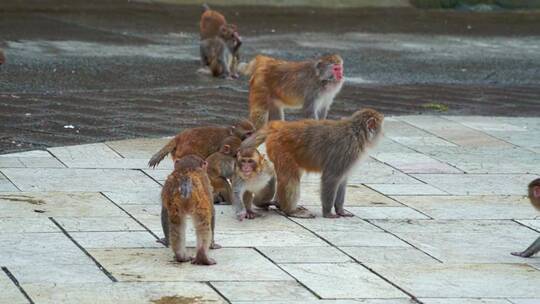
(221, 54)
(221, 169)
(254, 182)
(187, 191)
(534, 197)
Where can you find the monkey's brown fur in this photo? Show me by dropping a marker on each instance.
(201, 141)
(187, 191)
(221, 168)
(534, 193)
(277, 84)
(210, 23)
(332, 147)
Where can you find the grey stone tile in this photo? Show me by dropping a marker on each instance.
(407, 189)
(30, 154)
(326, 301)
(356, 195)
(342, 281)
(471, 207)
(534, 224)
(386, 213)
(117, 239)
(384, 255)
(414, 162)
(93, 224)
(32, 249)
(233, 264)
(525, 301)
(26, 225)
(248, 238)
(343, 224)
(6, 185)
(123, 293)
(139, 148)
(479, 184)
(292, 254)
(463, 280)
(59, 274)
(10, 293)
(448, 226)
(70, 204)
(135, 197)
(462, 300)
(158, 174)
(263, 291)
(55, 179)
(30, 162)
(357, 238)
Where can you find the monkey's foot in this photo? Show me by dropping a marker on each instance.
(344, 213)
(182, 259)
(202, 259)
(523, 254)
(331, 215)
(163, 241)
(215, 246)
(300, 212)
(235, 76)
(247, 214)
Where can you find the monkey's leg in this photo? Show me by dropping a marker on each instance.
(534, 248)
(228, 191)
(178, 239)
(213, 244)
(288, 191)
(248, 203)
(203, 230)
(329, 186)
(265, 198)
(323, 112)
(275, 112)
(340, 200)
(309, 108)
(165, 227)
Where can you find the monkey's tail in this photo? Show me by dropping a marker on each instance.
(186, 186)
(205, 7)
(256, 139)
(160, 155)
(247, 68)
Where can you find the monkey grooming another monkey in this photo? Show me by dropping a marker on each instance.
(278, 84)
(331, 147)
(254, 182)
(534, 197)
(187, 191)
(221, 169)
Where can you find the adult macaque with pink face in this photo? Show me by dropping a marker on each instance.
(534, 197)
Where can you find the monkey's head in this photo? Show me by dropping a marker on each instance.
(248, 161)
(369, 122)
(534, 193)
(230, 145)
(229, 33)
(242, 129)
(190, 162)
(329, 68)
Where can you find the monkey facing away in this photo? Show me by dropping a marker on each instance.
(220, 56)
(277, 84)
(201, 141)
(254, 182)
(534, 197)
(212, 22)
(331, 147)
(187, 191)
(221, 169)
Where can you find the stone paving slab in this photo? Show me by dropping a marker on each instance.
(437, 209)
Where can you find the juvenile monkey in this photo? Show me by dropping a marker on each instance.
(534, 197)
(187, 191)
(201, 141)
(221, 169)
(277, 84)
(254, 182)
(331, 147)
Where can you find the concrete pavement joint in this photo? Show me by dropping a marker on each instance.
(16, 282)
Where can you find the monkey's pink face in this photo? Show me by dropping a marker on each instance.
(337, 71)
(247, 166)
(536, 192)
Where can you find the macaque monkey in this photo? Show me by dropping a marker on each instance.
(201, 141)
(254, 182)
(187, 191)
(221, 169)
(277, 84)
(534, 197)
(331, 147)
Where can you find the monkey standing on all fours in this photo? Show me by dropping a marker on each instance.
(187, 191)
(331, 147)
(277, 84)
(534, 197)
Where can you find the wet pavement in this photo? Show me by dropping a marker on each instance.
(82, 73)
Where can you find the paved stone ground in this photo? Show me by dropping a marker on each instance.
(438, 207)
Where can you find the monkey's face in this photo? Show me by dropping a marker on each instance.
(248, 161)
(330, 68)
(229, 33)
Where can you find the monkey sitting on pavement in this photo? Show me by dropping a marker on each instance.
(187, 191)
(534, 197)
(332, 147)
(254, 182)
(221, 169)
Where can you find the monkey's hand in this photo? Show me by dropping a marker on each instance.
(247, 214)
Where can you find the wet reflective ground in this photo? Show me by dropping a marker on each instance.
(80, 73)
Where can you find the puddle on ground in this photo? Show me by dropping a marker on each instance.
(22, 198)
(181, 300)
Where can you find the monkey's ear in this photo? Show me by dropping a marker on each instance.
(371, 124)
(226, 149)
(536, 191)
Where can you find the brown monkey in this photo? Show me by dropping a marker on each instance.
(331, 147)
(221, 52)
(221, 169)
(254, 182)
(278, 84)
(201, 141)
(187, 191)
(534, 197)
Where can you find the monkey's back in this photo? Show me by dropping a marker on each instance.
(201, 141)
(210, 22)
(199, 201)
